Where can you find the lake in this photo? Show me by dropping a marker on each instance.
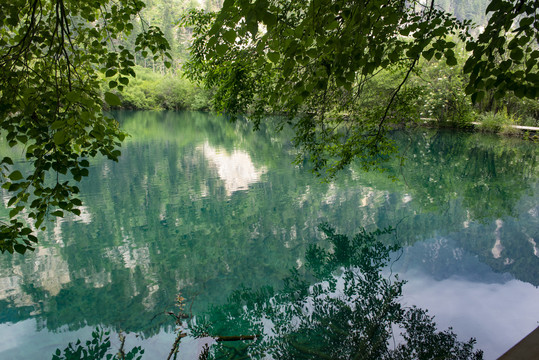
(200, 206)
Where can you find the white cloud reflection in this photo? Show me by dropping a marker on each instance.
(498, 315)
(236, 169)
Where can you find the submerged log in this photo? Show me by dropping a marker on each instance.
(235, 338)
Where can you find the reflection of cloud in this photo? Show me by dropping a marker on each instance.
(534, 244)
(236, 170)
(11, 289)
(85, 217)
(129, 254)
(406, 198)
(51, 270)
(497, 315)
(498, 247)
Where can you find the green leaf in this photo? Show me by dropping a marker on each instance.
(21, 249)
(111, 72)
(13, 212)
(274, 57)
(221, 49)
(59, 137)
(14, 186)
(15, 175)
(269, 19)
(112, 99)
(230, 36)
(57, 124)
(428, 54)
(494, 5)
(7, 160)
(516, 54)
(73, 96)
(525, 22)
(477, 97)
(451, 61)
(470, 46)
(332, 25)
(58, 213)
(12, 201)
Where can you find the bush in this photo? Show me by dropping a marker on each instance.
(154, 91)
(444, 98)
(499, 122)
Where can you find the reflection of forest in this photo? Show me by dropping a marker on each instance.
(165, 218)
(338, 306)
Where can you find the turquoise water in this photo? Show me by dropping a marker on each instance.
(200, 206)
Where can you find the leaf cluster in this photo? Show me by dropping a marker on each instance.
(97, 348)
(505, 56)
(53, 54)
(312, 61)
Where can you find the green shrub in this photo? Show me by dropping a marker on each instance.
(154, 91)
(445, 100)
(499, 122)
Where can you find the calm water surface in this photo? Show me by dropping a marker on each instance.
(200, 206)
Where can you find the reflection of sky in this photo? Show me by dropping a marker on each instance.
(460, 292)
(467, 295)
(16, 339)
(473, 309)
(44, 343)
(497, 314)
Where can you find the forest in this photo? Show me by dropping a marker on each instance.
(442, 86)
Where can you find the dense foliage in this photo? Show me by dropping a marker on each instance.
(53, 54)
(313, 61)
(318, 64)
(151, 90)
(505, 56)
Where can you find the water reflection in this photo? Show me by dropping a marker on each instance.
(236, 169)
(166, 218)
(320, 314)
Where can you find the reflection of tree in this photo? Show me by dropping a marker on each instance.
(97, 348)
(350, 314)
(152, 231)
(488, 174)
